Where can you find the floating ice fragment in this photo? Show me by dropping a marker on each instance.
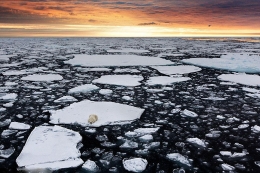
(9, 97)
(105, 91)
(7, 152)
(165, 80)
(116, 60)
(19, 126)
(129, 145)
(181, 69)
(50, 147)
(124, 80)
(255, 129)
(227, 167)
(135, 164)
(145, 131)
(90, 166)
(65, 99)
(245, 79)
(187, 113)
(43, 77)
(196, 142)
(146, 138)
(83, 89)
(107, 112)
(178, 158)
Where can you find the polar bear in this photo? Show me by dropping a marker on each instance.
(92, 118)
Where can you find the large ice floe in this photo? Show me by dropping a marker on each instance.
(43, 152)
(115, 60)
(43, 77)
(83, 89)
(124, 80)
(181, 69)
(245, 79)
(107, 112)
(233, 62)
(165, 80)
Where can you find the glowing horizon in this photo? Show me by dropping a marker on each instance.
(149, 18)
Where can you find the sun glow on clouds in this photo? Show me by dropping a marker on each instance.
(147, 18)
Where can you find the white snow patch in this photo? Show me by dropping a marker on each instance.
(135, 164)
(43, 77)
(245, 79)
(124, 80)
(50, 147)
(107, 112)
(181, 69)
(165, 80)
(83, 89)
(233, 62)
(116, 60)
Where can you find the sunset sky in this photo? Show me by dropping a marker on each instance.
(119, 18)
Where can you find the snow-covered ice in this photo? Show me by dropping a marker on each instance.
(187, 113)
(107, 112)
(50, 147)
(124, 80)
(178, 158)
(181, 69)
(9, 97)
(65, 99)
(43, 77)
(90, 166)
(165, 80)
(83, 89)
(232, 61)
(245, 79)
(197, 142)
(19, 126)
(115, 60)
(135, 164)
(105, 91)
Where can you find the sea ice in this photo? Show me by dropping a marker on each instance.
(83, 89)
(90, 166)
(14, 73)
(126, 70)
(127, 50)
(187, 113)
(107, 112)
(65, 99)
(7, 152)
(50, 147)
(124, 80)
(105, 91)
(245, 79)
(181, 69)
(43, 77)
(178, 158)
(232, 62)
(9, 97)
(19, 126)
(135, 164)
(165, 80)
(146, 131)
(196, 142)
(255, 129)
(116, 60)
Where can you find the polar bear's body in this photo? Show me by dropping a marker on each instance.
(92, 118)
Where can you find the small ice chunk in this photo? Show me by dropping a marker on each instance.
(187, 113)
(19, 126)
(65, 99)
(126, 98)
(124, 80)
(9, 97)
(146, 131)
(90, 166)
(7, 152)
(129, 145)
(255, 129)
(135, 164)
(6, 133)
(243, 126)
(227, 167)
(43, 77)
(5, 122)
(146, 138)
(105, 91)
(178, 158)
(165, 80)
(83, 89)
(226, 153)
(196, 142)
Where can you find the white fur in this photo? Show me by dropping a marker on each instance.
(92, 118)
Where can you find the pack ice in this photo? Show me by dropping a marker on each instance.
(107, 112)
(43, 152)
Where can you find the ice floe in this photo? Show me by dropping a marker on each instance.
(124, 80)
(83, 89)
(65, 99)
(107, 112)
(90, 166)
(9, 97)
(245, 79)
(19, 126)
(43, 77)
(233, 62)
(196, 142)
(165, 80)
(116, 60)
(187, 113)
(50, 148)
(179, 159)
(127, 50)
(181, 69)
(135, 164)
(105, 91)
